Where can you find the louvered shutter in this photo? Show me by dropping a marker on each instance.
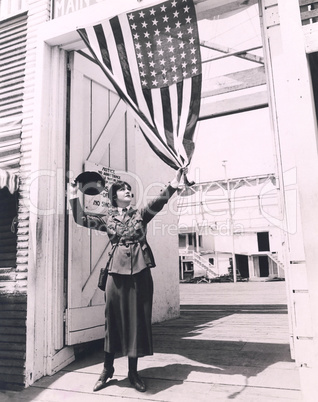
(13, 33)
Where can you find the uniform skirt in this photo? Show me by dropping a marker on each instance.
(128, 314)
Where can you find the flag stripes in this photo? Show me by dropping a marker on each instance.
(152, 58)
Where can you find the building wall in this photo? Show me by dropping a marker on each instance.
(18, 25)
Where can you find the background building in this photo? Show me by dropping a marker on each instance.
(210, 235)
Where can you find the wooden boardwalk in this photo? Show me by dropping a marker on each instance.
(230, 343)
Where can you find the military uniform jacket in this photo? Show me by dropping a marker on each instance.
(127, 233)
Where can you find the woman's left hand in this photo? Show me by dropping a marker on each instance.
(180, 172)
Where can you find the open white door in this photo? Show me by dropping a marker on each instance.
(96, 113)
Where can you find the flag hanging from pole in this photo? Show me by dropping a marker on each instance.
(152, 58)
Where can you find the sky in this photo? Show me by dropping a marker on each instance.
(244, 140)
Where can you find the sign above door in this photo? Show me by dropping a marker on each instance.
(64, 7)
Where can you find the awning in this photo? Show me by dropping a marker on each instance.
(10, 142)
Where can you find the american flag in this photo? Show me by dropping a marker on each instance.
(152, 57)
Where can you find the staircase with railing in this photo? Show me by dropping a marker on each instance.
(280, 266)
(308, 11)
(199, 262)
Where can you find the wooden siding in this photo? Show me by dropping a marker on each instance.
(12, 340)
(18, 36)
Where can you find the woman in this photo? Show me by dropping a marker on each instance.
(129, 287)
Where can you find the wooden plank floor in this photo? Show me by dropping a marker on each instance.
(230, 342)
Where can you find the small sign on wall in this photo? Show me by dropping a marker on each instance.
(64, 7)
(99, 204)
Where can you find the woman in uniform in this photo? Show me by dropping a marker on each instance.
(129, 287)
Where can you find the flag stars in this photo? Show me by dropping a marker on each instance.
(194, 70)
(165, 42)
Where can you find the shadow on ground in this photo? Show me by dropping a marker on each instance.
(191, 355)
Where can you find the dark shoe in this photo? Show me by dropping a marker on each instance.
(136, 381)
(101, 383)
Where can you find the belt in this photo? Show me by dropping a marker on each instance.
(128, 243)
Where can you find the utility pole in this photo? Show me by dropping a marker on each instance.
(230, 220)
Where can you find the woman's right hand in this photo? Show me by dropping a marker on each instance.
(73, 189)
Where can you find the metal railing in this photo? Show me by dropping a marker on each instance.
(308, 11)
(198, 260)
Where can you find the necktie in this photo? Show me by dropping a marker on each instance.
(124, 211)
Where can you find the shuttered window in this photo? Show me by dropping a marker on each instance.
(13, 33)
(9, 7)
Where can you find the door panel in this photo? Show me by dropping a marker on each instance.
(94, 137)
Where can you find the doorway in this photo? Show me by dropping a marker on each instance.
(242, 265)
(263, 266)
(263, 241)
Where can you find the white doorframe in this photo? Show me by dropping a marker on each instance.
(45, 352)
